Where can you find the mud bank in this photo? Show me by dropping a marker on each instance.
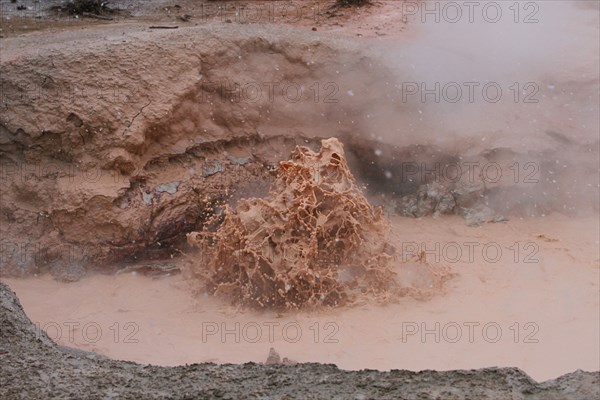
(34, 367)
(112, 150)
(139, 153)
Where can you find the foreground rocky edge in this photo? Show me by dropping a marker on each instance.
(34, 367)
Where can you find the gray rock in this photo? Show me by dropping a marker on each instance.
(212, 168)
(33, 367)
(170, 187)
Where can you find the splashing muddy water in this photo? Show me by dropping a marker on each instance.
(518, 287)
(505, 313)
(314, 241)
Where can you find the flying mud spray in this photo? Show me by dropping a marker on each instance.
(315, 240)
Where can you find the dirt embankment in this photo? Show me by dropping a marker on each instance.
(112, 150)
(34, 367)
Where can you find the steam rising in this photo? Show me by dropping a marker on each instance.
(546, 115)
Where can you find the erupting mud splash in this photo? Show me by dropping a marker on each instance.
(315, 240)
(100, 192)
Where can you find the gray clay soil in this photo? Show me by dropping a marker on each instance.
(34, 367)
